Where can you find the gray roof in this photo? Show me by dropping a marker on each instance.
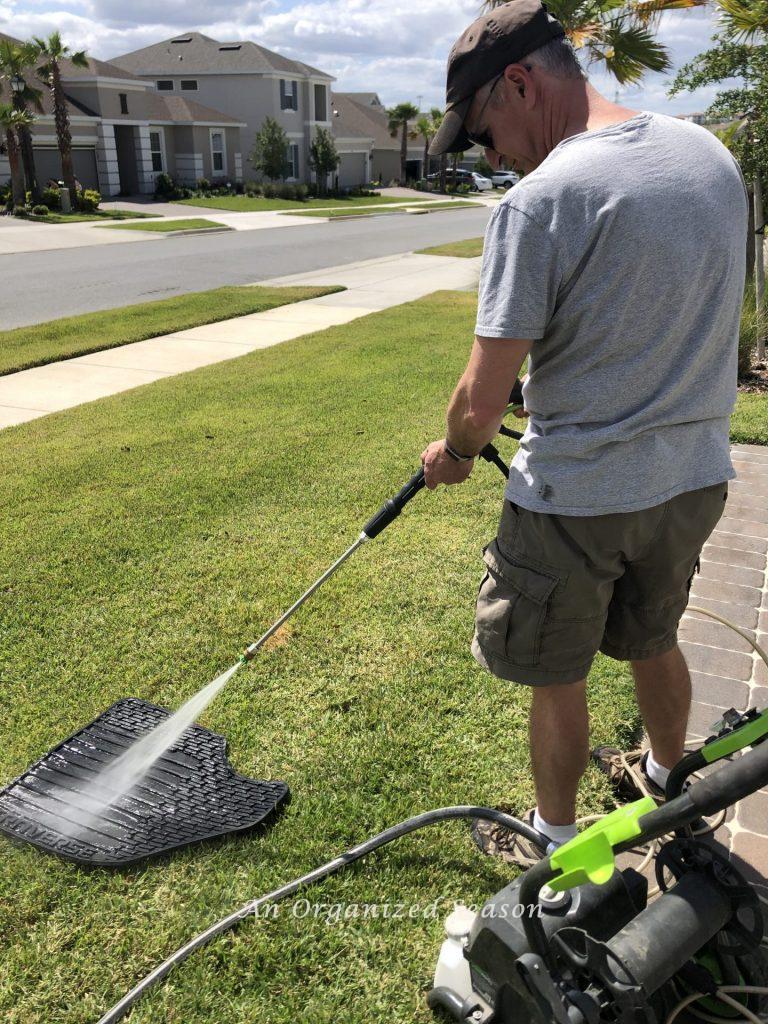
(367, 99)
(355, 118)
(194, 53)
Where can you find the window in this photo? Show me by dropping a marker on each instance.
(218, 152)
(157, 150)
(123, 102)
(293, 160)
(321, 106)
(165, 85)
(289, 95)
(189, 85)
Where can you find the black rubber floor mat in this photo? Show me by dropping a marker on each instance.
(191, 793)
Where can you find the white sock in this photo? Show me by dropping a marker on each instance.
(558, 834)
(656, 772)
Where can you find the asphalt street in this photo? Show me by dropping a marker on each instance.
(40, 286)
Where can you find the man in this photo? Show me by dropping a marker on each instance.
(616, 265)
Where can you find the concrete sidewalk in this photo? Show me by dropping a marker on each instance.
(371, 285)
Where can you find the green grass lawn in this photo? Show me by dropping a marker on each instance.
(468, 248)
(421, 207)
(76, 218)
(184, 224)
(749, 423)
(146, 538)
(254, 204)
(93, 332)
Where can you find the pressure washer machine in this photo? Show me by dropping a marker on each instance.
(575, 941)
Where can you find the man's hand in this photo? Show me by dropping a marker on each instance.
(440, 468)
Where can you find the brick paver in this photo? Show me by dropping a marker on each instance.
(725, 670)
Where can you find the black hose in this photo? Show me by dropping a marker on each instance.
(418, 821)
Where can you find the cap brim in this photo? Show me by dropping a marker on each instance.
(451, 137)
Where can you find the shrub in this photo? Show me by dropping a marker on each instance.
(302, 193)
(89, 200)
(40, 210)
(268, 190)
(252, 188)
(287, 192)
(168, 189)
(52, 198)
(748, 328)
(463, 189)
(202, 184)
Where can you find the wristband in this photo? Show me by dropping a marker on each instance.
(455, 455)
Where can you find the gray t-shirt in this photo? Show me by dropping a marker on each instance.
(623, 254)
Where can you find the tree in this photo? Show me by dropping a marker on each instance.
(483, 167)
(423, 129)
(15, 60)
(746, 137)
(323, 157)
(437, 116)
(616, 33)
(399, 117)
(270, 150)
(52, 51)
(10, 122)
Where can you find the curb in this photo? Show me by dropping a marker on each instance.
(196, 231)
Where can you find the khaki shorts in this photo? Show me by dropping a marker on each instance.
(560, 588)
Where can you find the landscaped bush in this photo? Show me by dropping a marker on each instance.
(88, 200)
(268, 190)
(202, 185)
(40, 210)
(286, 191)
(168, 189)
(252, 188)
(52, 198)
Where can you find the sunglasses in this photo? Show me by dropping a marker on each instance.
(484, 139)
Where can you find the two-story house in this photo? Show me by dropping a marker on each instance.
(125, 133)
(252, 83)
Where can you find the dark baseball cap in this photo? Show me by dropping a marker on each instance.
(502, 36)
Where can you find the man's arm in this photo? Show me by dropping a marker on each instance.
(476, 408)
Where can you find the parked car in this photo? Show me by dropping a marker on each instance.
(476, 182)
(505, 179)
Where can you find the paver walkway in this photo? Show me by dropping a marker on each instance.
(371, 285)
(725, 670)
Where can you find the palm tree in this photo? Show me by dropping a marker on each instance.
(743, 19)
(399, 117)
(53, 52)
(11, 120)
(15, 60)
(436, 116)
(618, 33)
(423, 129)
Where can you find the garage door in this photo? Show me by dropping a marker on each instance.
(352, 170)
(48, 165)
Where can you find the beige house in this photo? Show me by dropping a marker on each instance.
(124, 133)
(364, 113)
(251, 83)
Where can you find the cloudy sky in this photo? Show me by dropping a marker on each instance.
(395, 48)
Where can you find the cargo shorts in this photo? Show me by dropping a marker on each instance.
(558, 589)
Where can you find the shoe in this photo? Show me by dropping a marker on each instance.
(497, 841)
(631, 781)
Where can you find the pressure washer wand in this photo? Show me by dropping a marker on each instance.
(378, 522)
